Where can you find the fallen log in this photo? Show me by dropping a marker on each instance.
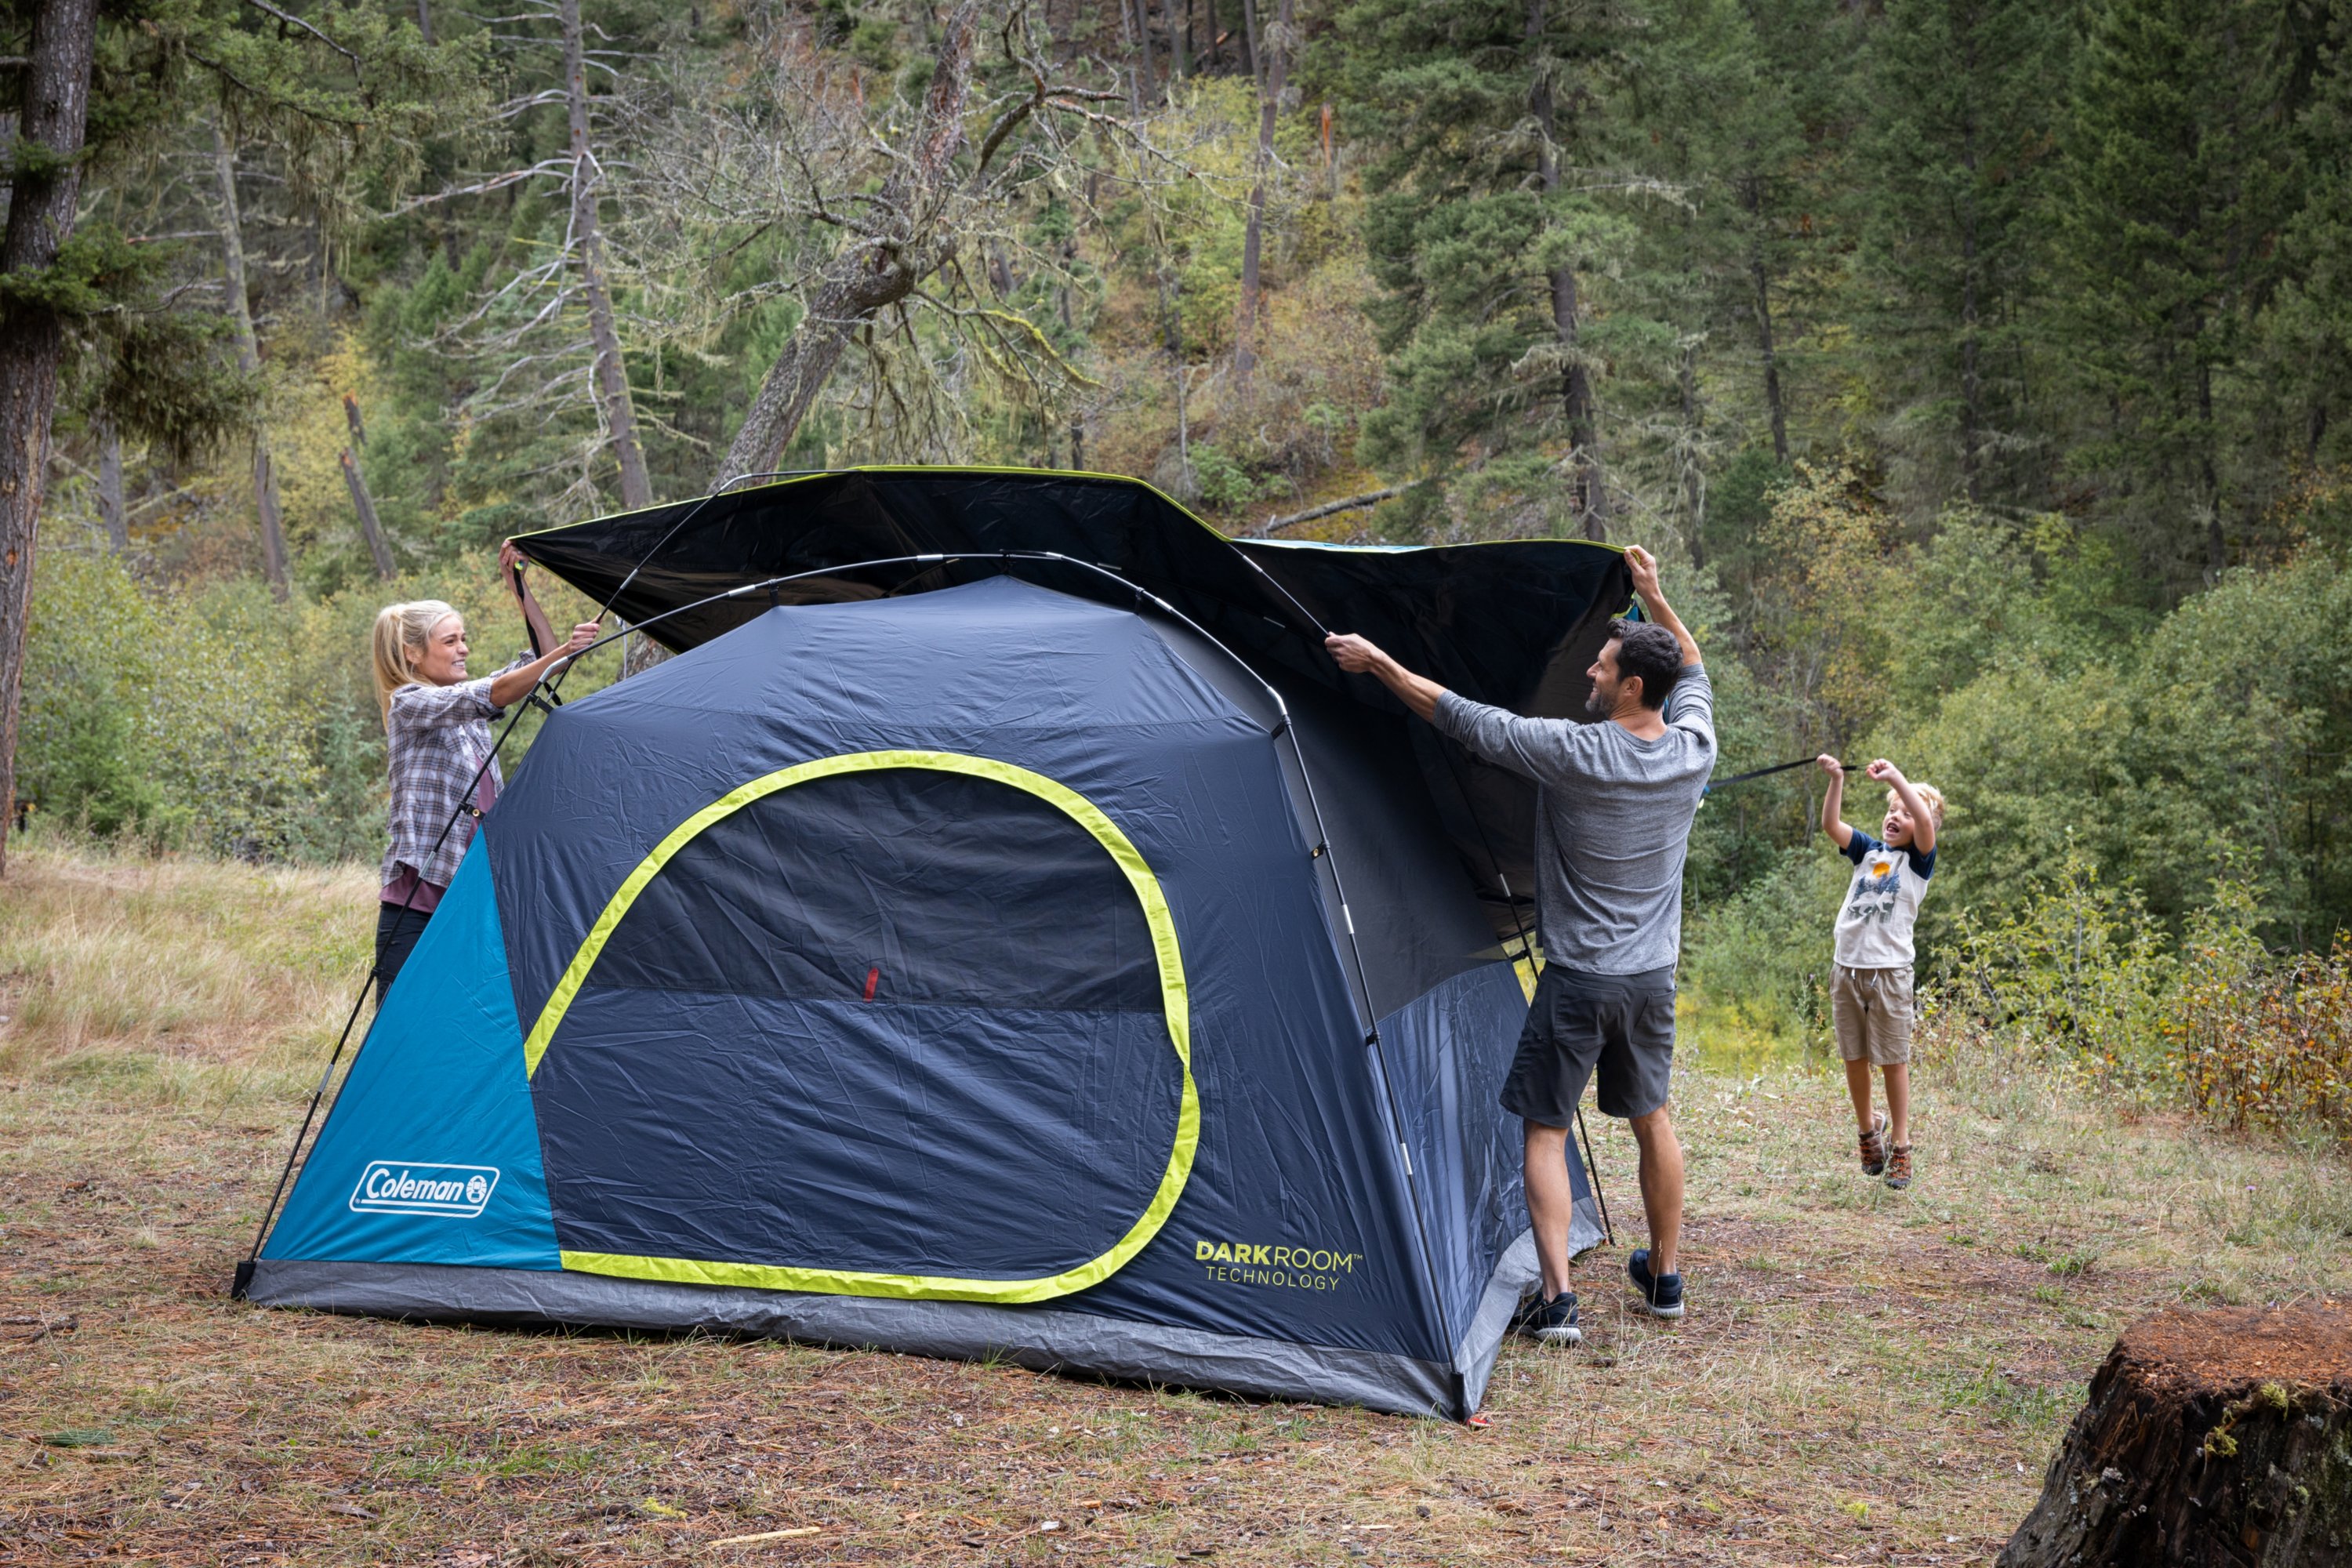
(2209, 1438)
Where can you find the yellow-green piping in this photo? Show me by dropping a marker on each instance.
(847, 1282)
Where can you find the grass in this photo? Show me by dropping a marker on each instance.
(1866, 1376)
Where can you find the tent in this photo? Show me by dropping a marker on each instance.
(951, 961)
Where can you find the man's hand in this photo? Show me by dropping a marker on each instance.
(583, 634)
(1361, 656)
(1644, 568)
(1356, 655)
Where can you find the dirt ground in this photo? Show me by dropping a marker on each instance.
(1865, 1376)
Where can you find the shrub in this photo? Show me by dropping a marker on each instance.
(2256, 1040)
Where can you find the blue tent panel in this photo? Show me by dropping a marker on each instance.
(431, 1155)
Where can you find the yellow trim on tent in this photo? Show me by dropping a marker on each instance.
(845, 1282)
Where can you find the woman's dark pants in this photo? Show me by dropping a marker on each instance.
(397, 930)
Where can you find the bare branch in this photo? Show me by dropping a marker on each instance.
(298, 22)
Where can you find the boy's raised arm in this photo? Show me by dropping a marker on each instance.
(1922, 822)
(1833, 802)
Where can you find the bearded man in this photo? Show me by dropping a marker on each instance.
(1614, 801)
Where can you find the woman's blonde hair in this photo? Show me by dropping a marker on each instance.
(400, 634)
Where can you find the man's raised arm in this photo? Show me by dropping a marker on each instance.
(1359, 656)
(1644, 568)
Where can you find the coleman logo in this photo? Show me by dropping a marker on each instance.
(399, 1186)
(1286, 1268)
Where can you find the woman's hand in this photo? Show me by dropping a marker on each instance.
(510, 567)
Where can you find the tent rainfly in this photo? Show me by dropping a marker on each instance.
(983, 957)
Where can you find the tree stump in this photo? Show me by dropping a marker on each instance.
(2210, 1437)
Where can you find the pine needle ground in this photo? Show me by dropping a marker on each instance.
(1865, 1376)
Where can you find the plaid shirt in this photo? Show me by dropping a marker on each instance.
(436, 737)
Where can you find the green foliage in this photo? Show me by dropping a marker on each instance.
(81, 745)
(2076, 971)
(1465, 229)
(2177, 168)
(1955, 164)
(223, 720)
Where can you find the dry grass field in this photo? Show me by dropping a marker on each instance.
(1865, 1376)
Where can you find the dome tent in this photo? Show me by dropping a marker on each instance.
(982, 970)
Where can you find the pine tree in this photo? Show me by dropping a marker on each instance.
(2307, 330)
(1500, 206)
(1958, 153)
(2178, 178)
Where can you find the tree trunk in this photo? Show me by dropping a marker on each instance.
(1971, 383)
(1249, 44)
(249, 360)
(1147, 80)
(425, 21)
(364, 504)
(1588, 487)
(2210, 1438)
(112, 510)
(362, 501)
(1773, 401)
(612, 373)
(2217, 549)
(1269, 106)
(1694, 479)
(869, 275)
(51, 114)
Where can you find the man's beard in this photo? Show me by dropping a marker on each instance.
(1600, 706)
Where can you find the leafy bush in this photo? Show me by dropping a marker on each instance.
(234, 724)
(82, 747)
(2261, 1041)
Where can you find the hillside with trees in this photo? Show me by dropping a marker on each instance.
(1979, 367)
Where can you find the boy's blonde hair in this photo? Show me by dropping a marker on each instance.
(400, 634)
(1932, 795)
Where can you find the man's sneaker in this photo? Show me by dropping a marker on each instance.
(1552, 1322)
(1662, 1294)
(1898, 1166)
(1874, 1146)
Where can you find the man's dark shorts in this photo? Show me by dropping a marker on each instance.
(1622, 1024)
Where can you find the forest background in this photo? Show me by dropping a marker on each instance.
(1978, 367)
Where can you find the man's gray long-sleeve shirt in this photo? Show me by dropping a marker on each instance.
(1612, 822)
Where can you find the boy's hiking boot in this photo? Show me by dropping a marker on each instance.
(1660, 1293)
(1874, 1146)
(1552, 1322)
(1898, 1166)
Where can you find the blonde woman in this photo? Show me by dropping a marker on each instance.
(436, 726)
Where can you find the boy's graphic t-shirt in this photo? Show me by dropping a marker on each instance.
(1874, 924)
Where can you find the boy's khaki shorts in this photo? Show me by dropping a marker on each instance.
(1872, 1011)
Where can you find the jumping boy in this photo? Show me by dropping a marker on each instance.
(1869, 984)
